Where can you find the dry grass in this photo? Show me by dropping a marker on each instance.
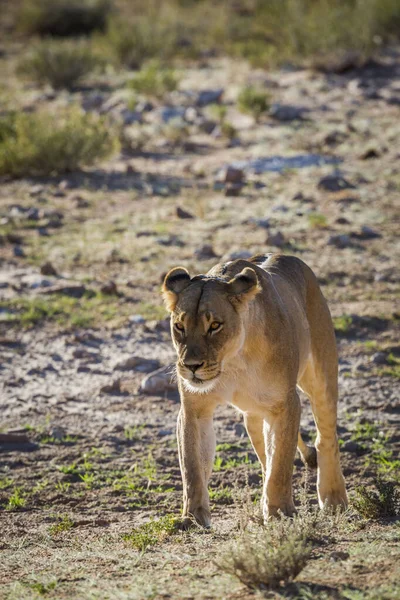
(62, 64)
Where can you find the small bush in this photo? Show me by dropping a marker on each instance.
(268, 557)
(154, 81)
(133, 43)
(384, 501)
(253, 101)
(46, 143)
(60, 63)
(64, 17)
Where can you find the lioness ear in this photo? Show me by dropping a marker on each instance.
(174, 283)
(244, 286)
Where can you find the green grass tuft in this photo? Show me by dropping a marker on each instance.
(253, 101)
(154, 80)
(152, 533)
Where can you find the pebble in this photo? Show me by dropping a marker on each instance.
(74, 290)
(109, 288)
(230, 175)
(286, 112)
(235, 255)
(205, 252)
(367, 233)
(233, 189)
(48, 269)
(379, 358)
(340, 241)
(181, 213)
(18, 252)
(276, 239)
(137, 363)
(112, 388)
(352, 446)
(206, 97)
(334, 183)
(137, 319)
(158, 382)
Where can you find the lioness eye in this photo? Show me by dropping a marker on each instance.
(179, 327)
(214, 326)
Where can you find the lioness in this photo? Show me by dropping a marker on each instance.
(247, 333)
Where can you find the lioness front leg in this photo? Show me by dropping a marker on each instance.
(281, 427)
(196, 447)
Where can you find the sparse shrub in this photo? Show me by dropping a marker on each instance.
(253, 101)
(134, 43)
(383, 501)
(268, 557)
(45, 143)
(64, 17)
(63, 524)
(155, 81)
(62, 64)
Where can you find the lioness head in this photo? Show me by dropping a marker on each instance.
(206, 322)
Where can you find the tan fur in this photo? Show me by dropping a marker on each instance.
(273, 333)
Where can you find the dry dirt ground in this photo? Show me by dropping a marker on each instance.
(86, 455)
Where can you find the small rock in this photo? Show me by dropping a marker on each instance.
(340, 241)
(233, 189)
(209, 97)
(205, 252)
(168, 113)
(158, 382)
(379, 358)
(42, 231)
(367, 233)
(36, 190)
(276, 239)
(80, 202)
(109, 288)
(83, 353)
(286, 112)
(352, 446)
(32, 214)
(165, 432)
(18, 252)
(48, 269)
(338, 556)
(74, 290)
(334, 183)
(240, 430)
(183, 214)
(370, 153)
(137, 363)
(235, 255)
(230, 175)
(112, 388)
(208, 126)
(137, 319)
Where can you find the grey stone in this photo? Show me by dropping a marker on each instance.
(230, 174)
(137, 363)
(181, 213)
(137, 319)
(334, 183)
(287, 112)
(235, 255)
(74, 290)
(340, 241)
(158, 382)
(379, 358)
(205, 252)
(276, 239)
(48, 269)
(206, 97)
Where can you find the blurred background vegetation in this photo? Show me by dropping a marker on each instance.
(65, 43)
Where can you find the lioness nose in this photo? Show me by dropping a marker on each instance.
(193, 367)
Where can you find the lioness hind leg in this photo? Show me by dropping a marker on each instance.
(319, 382)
